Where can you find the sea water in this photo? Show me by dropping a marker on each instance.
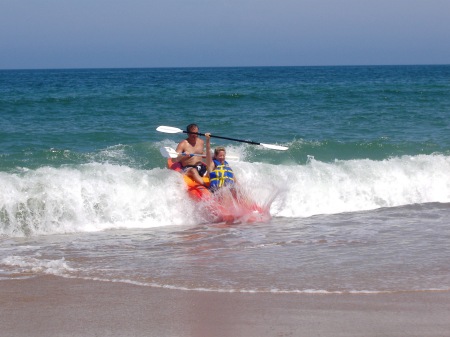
(359, 203)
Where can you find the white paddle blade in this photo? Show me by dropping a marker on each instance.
(168, 129)
(275, 147)
(168, 152)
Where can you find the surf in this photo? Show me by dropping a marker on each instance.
(101, 196)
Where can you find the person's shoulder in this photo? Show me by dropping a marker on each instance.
(181, 145)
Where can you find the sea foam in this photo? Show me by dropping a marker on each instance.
(357, 185)
(93, 197)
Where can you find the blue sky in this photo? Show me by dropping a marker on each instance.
(203, 33)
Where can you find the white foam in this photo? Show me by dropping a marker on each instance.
(95, 196)
(89, 197)
(355, 185)
(32, 265)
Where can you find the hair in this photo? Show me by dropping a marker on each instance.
(218, 149)
(191, 126)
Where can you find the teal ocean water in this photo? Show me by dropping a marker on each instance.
(359, 203)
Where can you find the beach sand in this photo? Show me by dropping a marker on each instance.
(51, 306)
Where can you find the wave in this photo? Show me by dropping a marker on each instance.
(357, 185)
(87, 197)
(99, 196)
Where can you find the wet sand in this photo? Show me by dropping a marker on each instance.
(52, 306)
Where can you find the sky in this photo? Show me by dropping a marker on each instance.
(36, 34)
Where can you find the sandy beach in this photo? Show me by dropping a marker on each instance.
(52, 306)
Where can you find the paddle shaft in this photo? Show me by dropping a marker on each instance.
(227, 138)
(169, 129)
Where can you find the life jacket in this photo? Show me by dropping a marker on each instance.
(221, 176)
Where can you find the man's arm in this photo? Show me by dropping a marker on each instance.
(180, 149)
(202, 144)
(209, 162)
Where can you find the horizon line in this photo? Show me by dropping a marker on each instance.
(218, 67)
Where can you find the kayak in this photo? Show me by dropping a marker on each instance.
(196, 191)
(221, 206)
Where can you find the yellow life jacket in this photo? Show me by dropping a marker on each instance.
(221, 176)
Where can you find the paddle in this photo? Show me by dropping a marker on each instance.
(168, 152)
(169, 129)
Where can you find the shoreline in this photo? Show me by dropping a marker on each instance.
(53, 306)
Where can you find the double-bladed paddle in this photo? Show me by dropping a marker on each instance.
(168, 152)
(169, 129)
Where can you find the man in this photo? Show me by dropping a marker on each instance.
(193, 166)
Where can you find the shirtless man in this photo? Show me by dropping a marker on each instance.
(192, 166)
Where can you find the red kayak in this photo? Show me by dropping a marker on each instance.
(195, 190)
(222, 205)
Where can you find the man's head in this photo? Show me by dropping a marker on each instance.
(192, 128)
(192, 137)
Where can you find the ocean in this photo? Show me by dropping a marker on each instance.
(359, 203)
